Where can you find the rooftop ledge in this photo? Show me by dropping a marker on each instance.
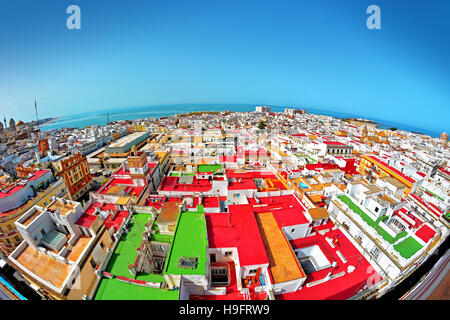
(399, 247)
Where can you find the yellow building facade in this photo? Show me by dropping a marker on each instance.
(138, 128)
(369, 165)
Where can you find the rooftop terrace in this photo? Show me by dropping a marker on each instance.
(239, 229)
(125, 253)
(209, 168)
(406, 247)
(189, 241)
(287, 210)
(64, 208)
(374, 224)
(78, 248)
(27, 221)
(114, 289)
(174, 184)
(115, 186)
(44, 266)
(283, 264)
(341, 287)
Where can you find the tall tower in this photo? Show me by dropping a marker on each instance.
(12, 124)
(1, 132)
(139, 170)
(35, 109)
(444, 138)
(364, 134)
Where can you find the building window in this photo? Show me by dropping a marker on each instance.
(220, 271)
(377, 209)
(398, 224)
(252, 271)
(93, 264)
(228, 253)
(102, 245)
(375, 252)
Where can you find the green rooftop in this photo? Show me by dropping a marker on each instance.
(374, 224)
(113, 289)
(306, 156)
(433, 194)
(190, 241)
(408, 247)
(125, 253)
(209, 167)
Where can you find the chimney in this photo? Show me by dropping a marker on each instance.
(134, 149)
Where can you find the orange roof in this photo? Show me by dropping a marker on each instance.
(283, 264)
(44, 266)
(315, 198)
(169, 212)
(78, 248)
(318, 213)
(64, 208)
(29, 219)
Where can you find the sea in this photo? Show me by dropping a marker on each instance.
(101, 117)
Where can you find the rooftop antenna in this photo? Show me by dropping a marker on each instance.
(107, 118)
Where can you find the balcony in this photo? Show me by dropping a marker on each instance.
(8, 234)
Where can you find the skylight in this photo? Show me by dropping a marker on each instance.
(188, 262)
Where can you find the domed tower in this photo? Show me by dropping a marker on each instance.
(12, 124)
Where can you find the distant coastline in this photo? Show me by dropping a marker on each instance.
(101, 117)
(360, 120)
(50, 121)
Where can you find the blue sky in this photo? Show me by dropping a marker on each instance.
(317, 54)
